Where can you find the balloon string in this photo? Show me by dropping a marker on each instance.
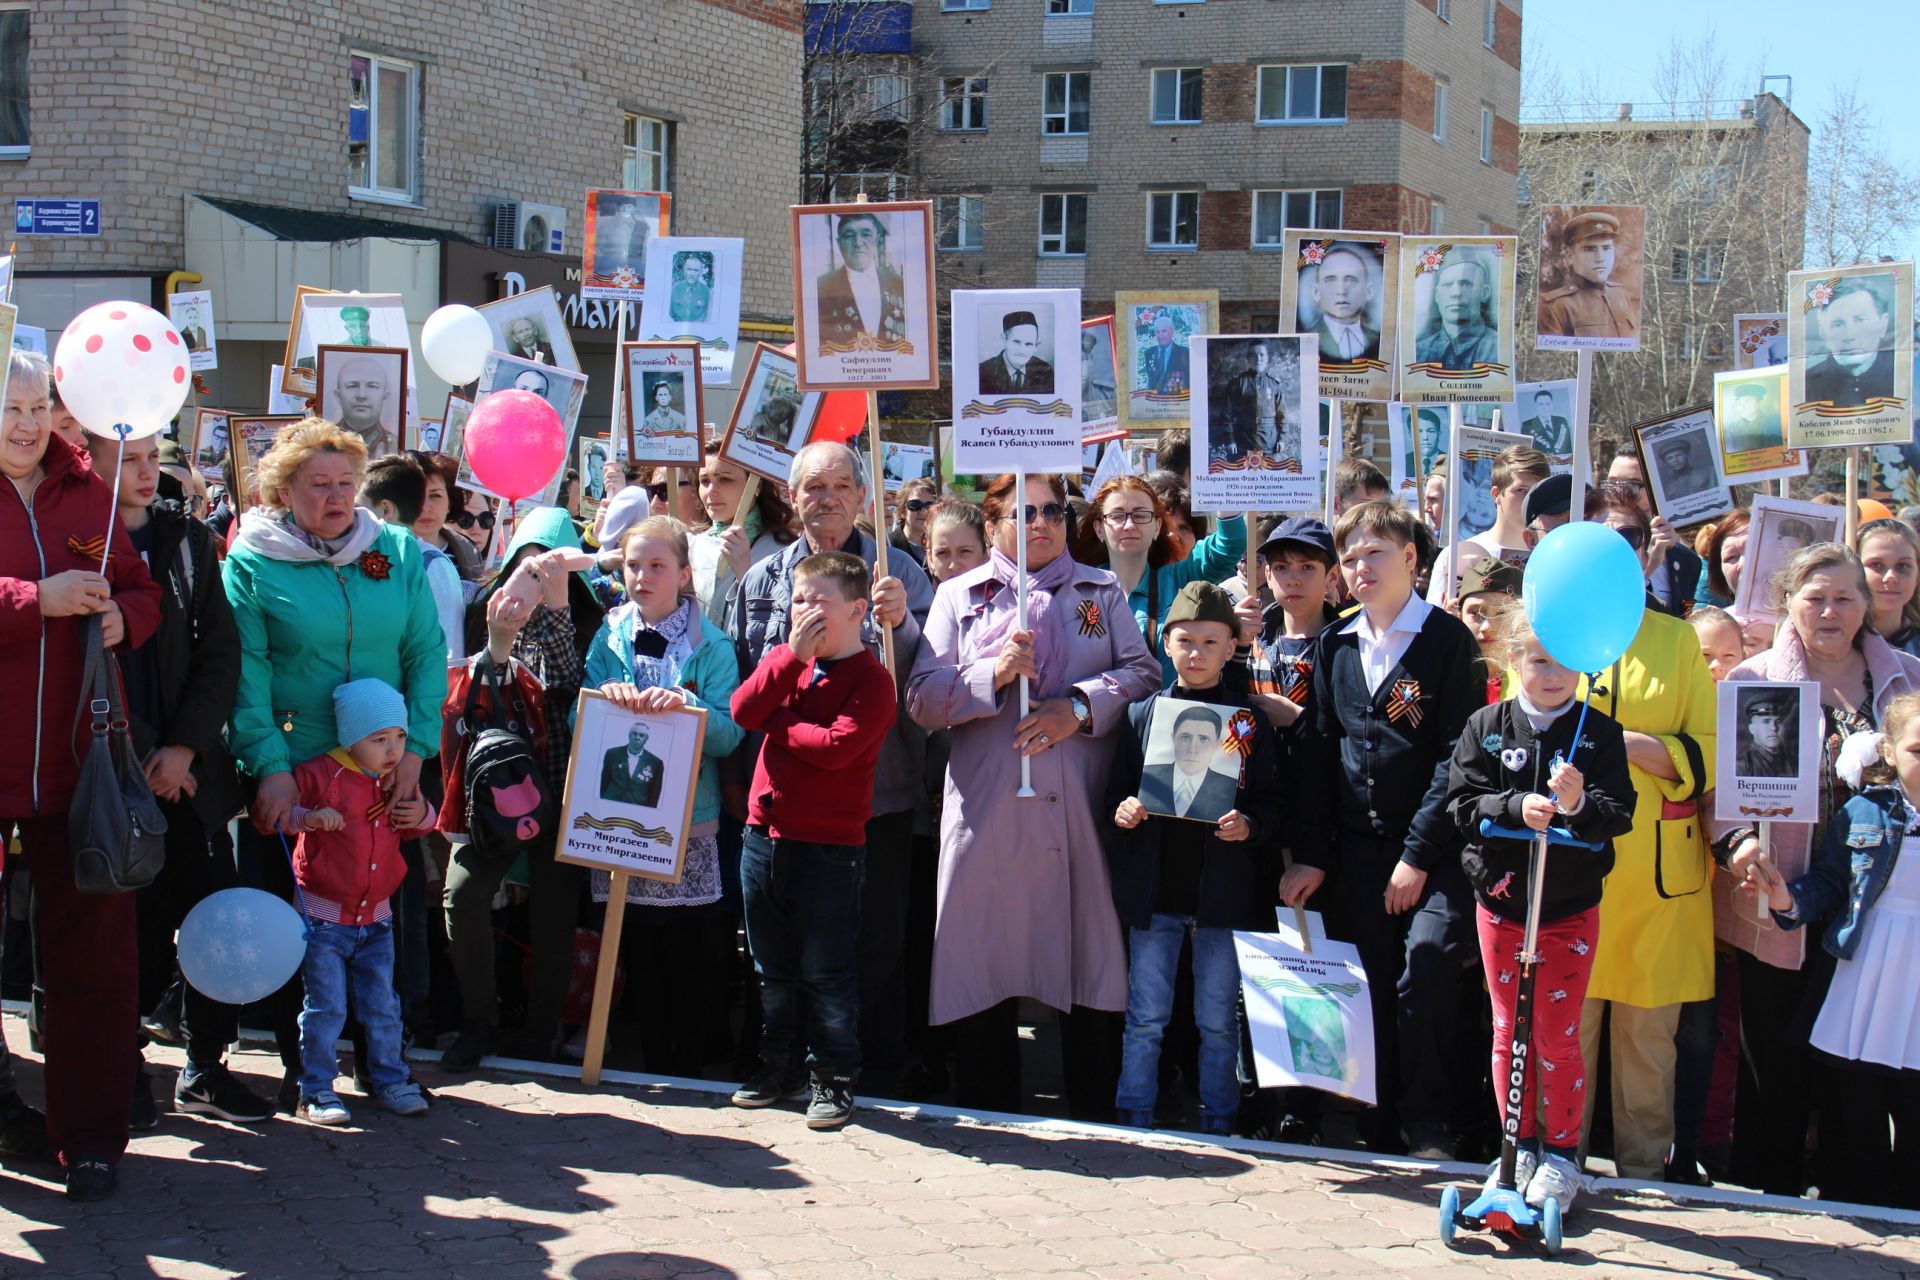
(106, 551)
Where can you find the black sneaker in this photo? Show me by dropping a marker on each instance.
(163, 1024)
(144, 1113)
(475, 1041)
(23, 1130)
(769, 1087)
(832, 1104)
(215, 1092)
(91, 1178)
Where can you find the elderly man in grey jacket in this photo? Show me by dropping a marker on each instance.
(829, 486)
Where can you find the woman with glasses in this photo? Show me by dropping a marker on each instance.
(475, 523)
(1024, 908)
(1129, 535)
(912, 505)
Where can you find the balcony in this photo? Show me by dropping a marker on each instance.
(854, 27)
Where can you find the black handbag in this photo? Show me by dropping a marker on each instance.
(114, 824)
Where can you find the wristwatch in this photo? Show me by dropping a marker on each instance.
(1082, 710)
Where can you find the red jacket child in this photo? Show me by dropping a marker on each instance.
(824, 724)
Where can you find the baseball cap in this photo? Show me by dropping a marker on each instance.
(1301, 531)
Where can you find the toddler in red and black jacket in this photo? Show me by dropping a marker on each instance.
(347, 865)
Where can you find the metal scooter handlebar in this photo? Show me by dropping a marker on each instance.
(1555, 835)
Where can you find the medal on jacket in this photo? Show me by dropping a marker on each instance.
(1091, 622)
(1403, 703)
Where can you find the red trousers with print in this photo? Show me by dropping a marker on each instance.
(1559, 988)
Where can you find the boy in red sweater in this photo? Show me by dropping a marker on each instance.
(347, 865)
(825, 705)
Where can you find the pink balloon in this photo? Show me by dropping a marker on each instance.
(515, 443)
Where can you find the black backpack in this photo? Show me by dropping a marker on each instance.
(509, 804)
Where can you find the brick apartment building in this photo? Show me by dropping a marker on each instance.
(265, 145)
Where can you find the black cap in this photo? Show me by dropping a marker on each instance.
(1014, 319)
(1302, 531)
(1551, 497)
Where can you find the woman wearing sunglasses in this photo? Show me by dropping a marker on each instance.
(912, 505)
(1024, 905)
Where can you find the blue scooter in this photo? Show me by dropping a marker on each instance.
(1503, 1209)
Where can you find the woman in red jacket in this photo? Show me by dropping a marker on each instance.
(54, 514)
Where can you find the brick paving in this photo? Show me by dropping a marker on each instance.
(518, 1178)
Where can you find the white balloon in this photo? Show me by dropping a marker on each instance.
(121, 369)
(455, 341)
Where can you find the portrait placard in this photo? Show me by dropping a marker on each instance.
(1456, 319)
(192, 315)
(1343, 288)
(1099, 383)
(1769, 746)
(1470, 509)
(900, 463)
(361, 390)
(772, 418)
(664, 409)
(1016, 380)
(1592, 264)
(1194, 753)
(1759, 339)
(1155, 331)
(564, 389)
(250, 439)
(1681, 457)
(1406, 450)
(630, 781)
(591, 454)
(1253, 443)
(1780, 527)
(1850, 365)
(694, 296)
(321, 319)
(864, 315)
(1308, 1014)
(29, 337)
(211, 440)
(613, 247)
(529, 326)
(1544, 411)
(453, 438)
(1750, 418)
(1430, 428)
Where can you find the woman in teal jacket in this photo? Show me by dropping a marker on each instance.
(654, 653)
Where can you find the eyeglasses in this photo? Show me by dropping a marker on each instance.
(1636, 536)
(466, 519)
(919, 504)
(1635, 487)
(658, 492)
(1120, 519)
(1052, 513)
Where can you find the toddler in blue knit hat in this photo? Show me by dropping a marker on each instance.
(348, 865)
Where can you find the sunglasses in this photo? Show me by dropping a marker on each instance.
(919, 504)
(1052, 513)
(466, 519)
(1636, 536)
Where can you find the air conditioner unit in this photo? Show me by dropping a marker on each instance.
(523, 224)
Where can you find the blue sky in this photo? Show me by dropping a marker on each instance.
(1618, 47)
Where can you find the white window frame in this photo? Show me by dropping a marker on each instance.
(1173, 220)
(1179, 75)
(21, 150)
(1069, 8)
(1440, 112)
(1057, 234)
(1436, 217)
(1065, 116)
(1703, 342)
(1314, 197)
(1490, 26)
(971, 99)
(1262, 116)
(638, 159)
(409, 192)
(965, 6)
(1486, 134)
(1443, 10)
(1697, 266)
(962, 214)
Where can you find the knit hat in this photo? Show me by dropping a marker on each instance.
(1490, 575)
(362, 708)
(624, 510)
(1202, 601)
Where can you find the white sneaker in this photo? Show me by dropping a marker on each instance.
(1525, 1162)
(1557, 1179)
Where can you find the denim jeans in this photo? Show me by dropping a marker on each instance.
(802, 905)
(340, 956)
(1154, 954)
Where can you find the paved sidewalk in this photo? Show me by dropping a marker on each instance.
(545, 1178)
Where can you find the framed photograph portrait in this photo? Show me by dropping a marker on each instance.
(1192, 765)
(1544, 411)
(453, 435)
(1255, 445)
(249, 439)
(1750, 418)
(864, 308)
(1769, 748)
(212, 442)
(1099, 385)
(1456, 319)
(773, 418)
(630, 781)
(613, 246)
(362, 390)
(1681, 456)
(1592, 267)
(1781, 526)
(564, 389)
(1759, 339)
(530, 326)
(429, 435)
(1850, 365)
(1155, 331)
(1016, 380)
(591, 455)
(192, 315)
(321, 319)
(1420, 438)
(664, 423)
(1470, 510)
(900, 463)
(693, 295)
(1342, 287)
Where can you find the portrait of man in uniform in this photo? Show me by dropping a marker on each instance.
(362, 391)
(1767, 741)
(630, 774)
(1587, 302)
(1167, 363)
(863, 301)
(1463, 330)
(1552, 433)
(1753, 420)
(1256, 402)
(1684, 470)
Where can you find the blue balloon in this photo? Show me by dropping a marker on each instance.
(1584, 592)
(241, 945)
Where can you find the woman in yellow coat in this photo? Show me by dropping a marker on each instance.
(1655, 950)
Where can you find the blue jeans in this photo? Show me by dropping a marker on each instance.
(802, 904)
(1154, 954)
(340, 956)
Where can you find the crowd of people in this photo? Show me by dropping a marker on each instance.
(870, 903)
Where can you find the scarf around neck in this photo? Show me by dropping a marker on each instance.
(275, 536)
(1047, 623)
(678, 630)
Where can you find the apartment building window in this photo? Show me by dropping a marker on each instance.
(1275, 211)
(1068, 8)
(383, 128)
(1173, 220)
(1700, 342)
(1490, 25)
(1486, 135)
(1066, 103)
(963, 6)
(958, 222)
(1523, 187)
(1443, 9)
(14, 24)
(1436, 218)
(1176, 95)
(1063, 225)
(1440, 111)
(1700, 183)
(646, 162)
(963, 104)
(1697, 266)
(1303, 95)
